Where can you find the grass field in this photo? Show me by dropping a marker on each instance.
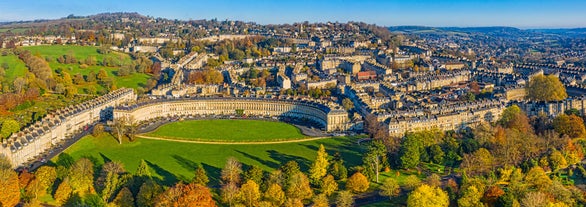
(228, 130)
(16, 67)
(81, 53)
(173, 161)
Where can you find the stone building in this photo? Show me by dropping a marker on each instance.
(42, 135)
(329, 115)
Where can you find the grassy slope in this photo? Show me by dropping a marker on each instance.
(17, 67)
(228, 130)
(173, 161)
(81, 53)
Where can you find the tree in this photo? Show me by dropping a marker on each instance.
(46, 176)
(254, 173)
(320, 200)
(275, 195)
(557, 160)
(357, 183)
(471, 198)
(328, 185)
(290, 169)
(427, 196)
(348, 104)
(481, 161)
(102, 75)
(390, 188)
(81, 177)
(344, 199)
(10, 191)
(545, 88)
(186, 195)
(120, 127)
(112, 177)
(410, 151)
(8, 127)
(98, 130)
(374, 157)
(319, 168)
(124, 198)
(147, 193)
(298, 187)
(536, 178)
(570, 125)
(337, 168)
(229, 193)
(63, 192)
(231, 171)
(534, 199)
(201, 176)
(249, 193)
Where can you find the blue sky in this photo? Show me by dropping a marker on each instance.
(517, 13)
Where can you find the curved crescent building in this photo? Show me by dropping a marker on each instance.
(330, 116)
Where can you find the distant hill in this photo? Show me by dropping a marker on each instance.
(485, 30)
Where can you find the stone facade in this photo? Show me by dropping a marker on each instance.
(329, 115)
(39, 137)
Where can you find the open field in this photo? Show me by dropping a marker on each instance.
(16, 67)
(224, 130)
(173, 161)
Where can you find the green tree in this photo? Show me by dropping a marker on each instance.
(201, 176)
(319, 168)
(557, 160)
(536, 178)
(8, 127)
(427, 196)
(410, 152)
(471, 198)
(374, 158)
(546, 88)
(46, 176)
(357, 183)
(337, 168)
(390, 188)
(81, 177)
(254, 173)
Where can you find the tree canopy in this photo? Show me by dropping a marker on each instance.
(546, 88)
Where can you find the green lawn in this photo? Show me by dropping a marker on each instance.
(227, 130)
(173, 161)
(16, 67)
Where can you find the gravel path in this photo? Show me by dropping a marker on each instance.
(232, 143)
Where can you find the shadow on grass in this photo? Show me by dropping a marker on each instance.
(168, 178)
(267, 163)
(347, 148)
(213, 175)
(284, 158)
